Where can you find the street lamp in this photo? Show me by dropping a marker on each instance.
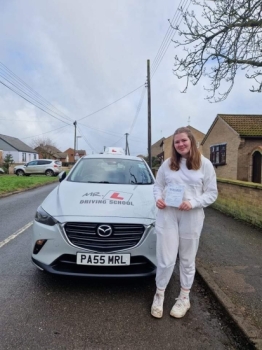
(77, 154)
(77, 141)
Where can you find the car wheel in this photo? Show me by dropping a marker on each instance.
(20, 173)
(49, 172)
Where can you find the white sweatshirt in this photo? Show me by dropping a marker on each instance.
(200, 185)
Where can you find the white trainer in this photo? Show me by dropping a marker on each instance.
(157, 306)
(180, 308)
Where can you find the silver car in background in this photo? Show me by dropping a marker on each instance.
(99, 222)
(48, 167)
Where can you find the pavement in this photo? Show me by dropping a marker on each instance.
(230, 263)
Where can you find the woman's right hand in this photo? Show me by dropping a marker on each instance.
(160, 204)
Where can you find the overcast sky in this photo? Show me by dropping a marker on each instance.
(80, 56)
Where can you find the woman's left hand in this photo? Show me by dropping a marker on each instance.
(186, 205)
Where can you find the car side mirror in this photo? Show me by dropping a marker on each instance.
(62, 176)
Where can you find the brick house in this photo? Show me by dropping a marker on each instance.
(233, 143)
(70, 153)
(51, 152)
(157, 149)
(168, 141)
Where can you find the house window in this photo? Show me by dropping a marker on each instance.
(218, 154)
(23, 157)
(34, 155)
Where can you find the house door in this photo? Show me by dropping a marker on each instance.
(256, 173)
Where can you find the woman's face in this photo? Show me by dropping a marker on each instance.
(182, 144)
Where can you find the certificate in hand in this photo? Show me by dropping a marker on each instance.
(174, 195)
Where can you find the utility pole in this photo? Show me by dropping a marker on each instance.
(149, 114)
(75, 123)
(127, 146)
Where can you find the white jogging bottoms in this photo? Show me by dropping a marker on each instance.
(177, 232)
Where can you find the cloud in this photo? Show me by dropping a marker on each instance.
(82, 55)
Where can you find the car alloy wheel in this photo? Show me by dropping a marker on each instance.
(49, 173)
(20, 173)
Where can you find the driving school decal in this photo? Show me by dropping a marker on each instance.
(111, 197)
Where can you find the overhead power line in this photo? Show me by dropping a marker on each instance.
(166, 37)
(118, 140)
(33, 103)
(110, 104)
(29, 97)
(109, 133)
(81, 133)
(137, 110)
(26, 89)
(176, 21)
(47, 132)
(100, 130)
(26, 120)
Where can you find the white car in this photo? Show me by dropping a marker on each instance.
(100, 220)
(48, 167)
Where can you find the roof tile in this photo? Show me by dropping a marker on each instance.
(244, 125)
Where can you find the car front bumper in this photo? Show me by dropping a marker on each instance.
(58, 255)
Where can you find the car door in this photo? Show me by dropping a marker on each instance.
(41, 166)
(31, 167)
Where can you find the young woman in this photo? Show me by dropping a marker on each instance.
(185, 184)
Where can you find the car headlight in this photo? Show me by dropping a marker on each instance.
(44, 218)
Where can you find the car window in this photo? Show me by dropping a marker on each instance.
(43, 162)
(34, 162)
(57, 162)
(111, 170)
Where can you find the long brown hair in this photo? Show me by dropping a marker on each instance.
(193, 161)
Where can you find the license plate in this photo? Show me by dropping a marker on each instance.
(103, 259)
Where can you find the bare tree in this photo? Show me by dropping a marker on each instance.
(227, 38)
(45, 146)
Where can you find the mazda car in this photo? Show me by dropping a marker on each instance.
(99, 221)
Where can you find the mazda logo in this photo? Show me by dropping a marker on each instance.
(104, 230)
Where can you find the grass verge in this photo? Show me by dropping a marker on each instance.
(12, 183)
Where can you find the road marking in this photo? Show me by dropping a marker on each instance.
(14, 235)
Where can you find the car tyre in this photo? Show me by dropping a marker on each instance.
(49, 172)
(20, 172)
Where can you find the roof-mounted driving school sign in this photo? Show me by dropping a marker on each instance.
(114, 150)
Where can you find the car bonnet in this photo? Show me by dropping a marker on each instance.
(103, 200)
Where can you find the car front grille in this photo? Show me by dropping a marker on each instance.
(85, 235)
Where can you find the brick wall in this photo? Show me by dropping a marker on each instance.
(222, 133)
(240, 199)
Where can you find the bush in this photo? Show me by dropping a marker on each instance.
(8, 160)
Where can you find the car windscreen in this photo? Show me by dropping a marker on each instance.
(111, 170)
